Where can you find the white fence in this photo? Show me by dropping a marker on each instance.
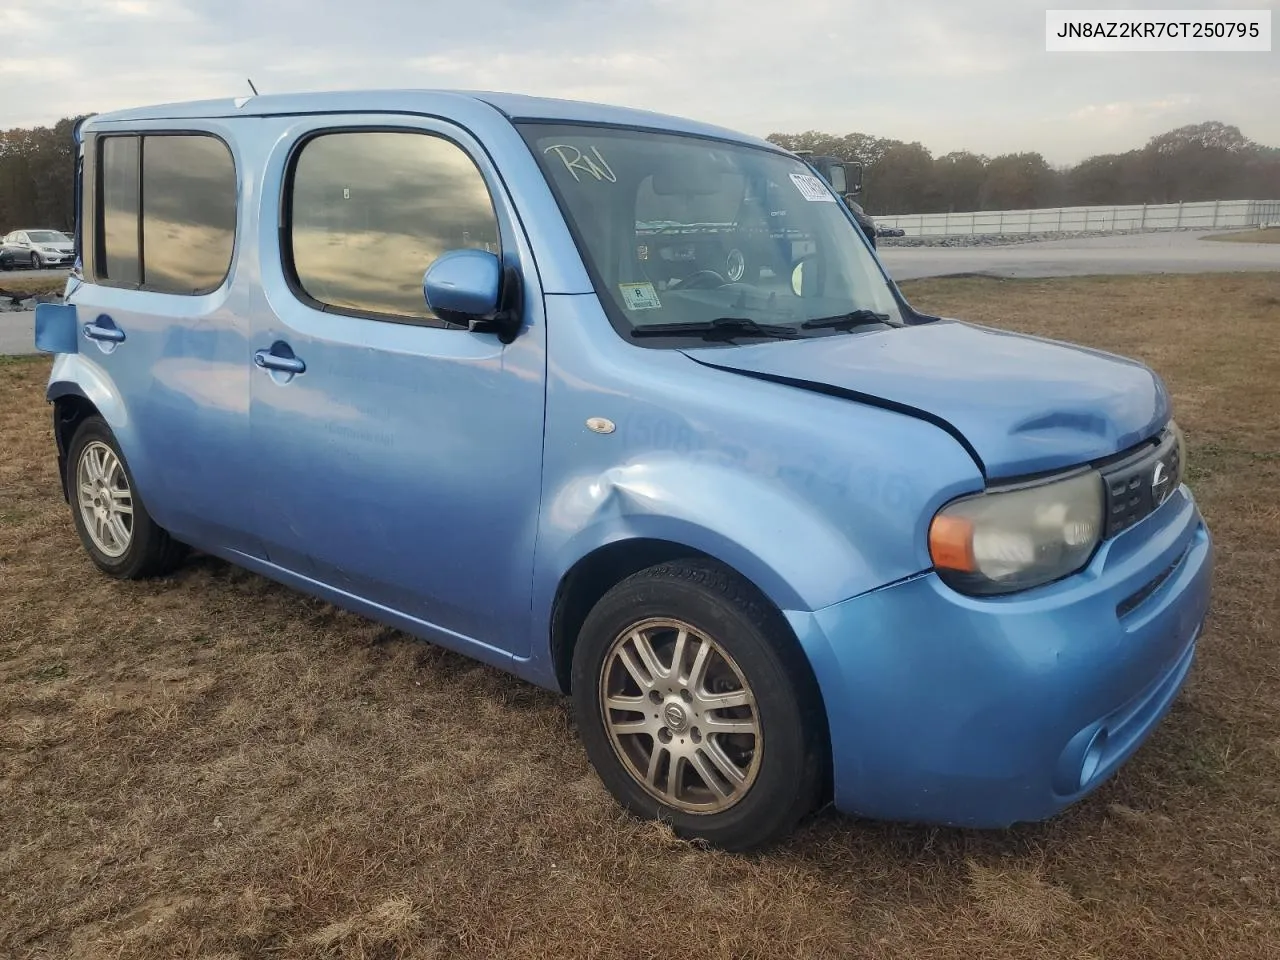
(1207, 214)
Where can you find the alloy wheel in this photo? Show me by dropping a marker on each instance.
(105, 500)
(681, 716)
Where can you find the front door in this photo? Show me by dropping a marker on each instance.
(399, 457)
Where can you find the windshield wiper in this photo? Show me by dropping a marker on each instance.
(846, 321)
(722, 328)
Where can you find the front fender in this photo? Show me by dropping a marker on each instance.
(788, 550)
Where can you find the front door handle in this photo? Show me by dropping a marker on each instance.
(95, 331)
(269, 360)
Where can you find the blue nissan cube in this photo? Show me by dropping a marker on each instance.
(626, 405)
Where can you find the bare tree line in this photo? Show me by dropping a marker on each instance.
(1207, 161)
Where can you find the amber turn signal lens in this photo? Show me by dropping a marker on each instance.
(951, 543)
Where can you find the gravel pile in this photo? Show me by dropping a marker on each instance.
(23, 302)
(1006, 239)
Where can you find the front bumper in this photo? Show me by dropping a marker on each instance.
(983, 712)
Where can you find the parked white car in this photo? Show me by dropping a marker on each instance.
(45, 248)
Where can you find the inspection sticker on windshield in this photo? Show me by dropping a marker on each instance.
(640, 296)
(812, 188)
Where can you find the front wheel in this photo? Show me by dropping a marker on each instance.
(696, 706)
(114, 526)
(36, 264)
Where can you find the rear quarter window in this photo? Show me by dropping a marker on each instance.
(167, 210)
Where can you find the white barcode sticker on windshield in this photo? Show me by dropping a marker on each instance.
(640, 296)
(812, 188)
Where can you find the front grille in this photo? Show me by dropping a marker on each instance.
(1137, 485)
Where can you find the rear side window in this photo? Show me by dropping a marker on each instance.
(168, 212)
(370, 211)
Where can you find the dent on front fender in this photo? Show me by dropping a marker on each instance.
(787, 549)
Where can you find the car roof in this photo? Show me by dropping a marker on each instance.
(512, 105)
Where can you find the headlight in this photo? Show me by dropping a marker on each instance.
(1008, 540)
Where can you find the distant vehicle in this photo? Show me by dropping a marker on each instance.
(846, 180)
(890, 232)
(37, 249)
(14, 257)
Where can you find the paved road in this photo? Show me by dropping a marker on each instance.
(17, 330)
(1134, 253)
(58, 274)
(17, 333)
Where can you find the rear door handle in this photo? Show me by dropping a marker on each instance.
(271, 361)
(112, 334)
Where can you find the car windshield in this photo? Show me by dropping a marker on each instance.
(683, 232)
(48, 236)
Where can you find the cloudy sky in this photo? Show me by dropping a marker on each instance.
(953, 74)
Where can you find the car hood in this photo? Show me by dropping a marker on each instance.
(1021, 405)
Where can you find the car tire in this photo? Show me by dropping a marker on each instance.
(35, 262)
(110, 518)
(766, 780)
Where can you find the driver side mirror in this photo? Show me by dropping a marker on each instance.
(466, 287)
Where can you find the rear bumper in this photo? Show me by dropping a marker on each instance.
(986, 711)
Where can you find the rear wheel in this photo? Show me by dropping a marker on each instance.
(696, 707)
(112, 522)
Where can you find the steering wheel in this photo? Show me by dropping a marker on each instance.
(701, 280)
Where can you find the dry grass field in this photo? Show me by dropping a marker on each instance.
(29, 285)
(213, 766)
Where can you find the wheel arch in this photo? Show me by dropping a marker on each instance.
(590, 578)
(601, 569)
(70, 409)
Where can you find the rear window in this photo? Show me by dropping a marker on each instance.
(167, 209)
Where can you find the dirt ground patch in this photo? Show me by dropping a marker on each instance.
(1248, 236)
(215, 766)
